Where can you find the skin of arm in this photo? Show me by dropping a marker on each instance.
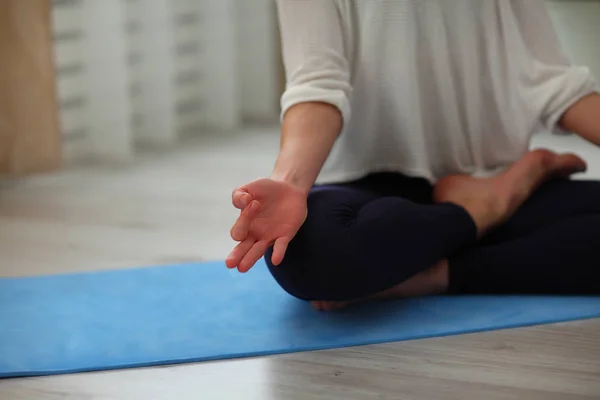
(309, 131)
(583, 118)
(316, 99)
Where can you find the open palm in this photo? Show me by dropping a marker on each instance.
(272, 212)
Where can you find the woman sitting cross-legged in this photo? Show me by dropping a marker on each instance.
(405, 166)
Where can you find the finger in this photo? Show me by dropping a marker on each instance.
(241, 228)
(279, 250)
(238, 253)
(253, 255)
(240, 198)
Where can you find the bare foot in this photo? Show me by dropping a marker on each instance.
(429, 282)
(492, 201)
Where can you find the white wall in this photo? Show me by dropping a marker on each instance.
(258, 59)
(578, 25)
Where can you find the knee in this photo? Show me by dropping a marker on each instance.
(305, 274)
(311, 268)
(294, 274)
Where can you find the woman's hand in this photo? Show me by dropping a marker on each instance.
(274, 209)
(272, 212)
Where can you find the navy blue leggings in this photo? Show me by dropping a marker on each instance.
(366, 236)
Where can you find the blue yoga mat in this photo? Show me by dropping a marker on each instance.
(185, 313)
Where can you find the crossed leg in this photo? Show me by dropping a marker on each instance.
(357, 244)
(560, 258)
(555, 201)
(550, 246)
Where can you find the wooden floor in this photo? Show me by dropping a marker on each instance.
(174, 208)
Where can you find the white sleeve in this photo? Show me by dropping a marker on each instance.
(550, 82)
(314, 54)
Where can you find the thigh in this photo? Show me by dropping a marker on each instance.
(356, 243)
(554, 201)
(561, 258)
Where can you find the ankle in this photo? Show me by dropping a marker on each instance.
(489, 212)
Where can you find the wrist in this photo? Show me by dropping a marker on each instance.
(293, 179)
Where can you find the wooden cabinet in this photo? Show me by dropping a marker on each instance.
(30, 138)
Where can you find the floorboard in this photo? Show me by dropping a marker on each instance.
(174, 208)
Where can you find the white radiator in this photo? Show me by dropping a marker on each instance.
(144, 72)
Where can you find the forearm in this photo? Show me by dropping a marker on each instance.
(308, 133)
(583, 118)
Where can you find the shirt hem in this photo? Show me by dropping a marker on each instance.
(348, 176)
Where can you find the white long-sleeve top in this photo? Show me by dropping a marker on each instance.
(428, 87)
